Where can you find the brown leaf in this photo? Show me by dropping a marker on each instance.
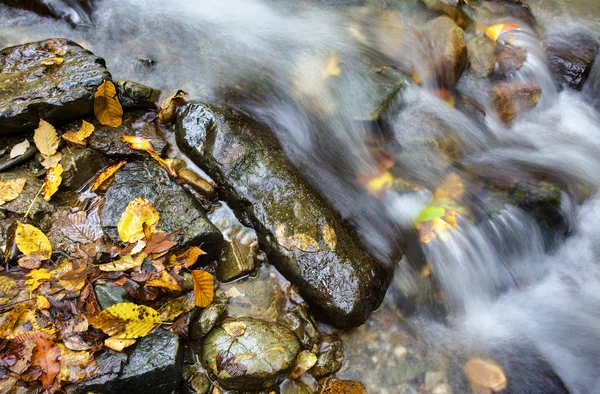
(168, 108)
(46, 138)
(160, 243)
(190, 255)
(226, 362)
(25, 353)
(81, 227)
(30, 262)
(107, 174)
(203, 288)
(80, 136)
(107, 107)
(45, 356)
(51, 161)
(336, 386)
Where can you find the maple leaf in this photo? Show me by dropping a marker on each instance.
(203, 288)
(107, 107)
(137, 217)
(46, 138)
(80, 136)
(126, 320)
(30, 240)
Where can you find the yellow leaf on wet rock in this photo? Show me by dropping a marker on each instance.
(305, 243)
(234, 328)
(204, 290)
(46, 138)
(11, 189)
(138, 143)
(31, 240)
(54, 61)
(329, 236)
(485, 375)
(107, 174)
(495, 31)
(118, 344)
(107, 107)
(168, 108)
(52, 181)
(139, 217)
(126, 320)
(80, 136)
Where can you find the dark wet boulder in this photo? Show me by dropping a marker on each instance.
(513, 98)
(342, 283)
(262, 356)
(56, 93)
(107, 139)
(178, 210)
(482, 57)
(449, 50)
(571, 56)
(80, 166)
(135, 95)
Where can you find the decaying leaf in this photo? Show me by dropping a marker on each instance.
(11, 189)
(118, 344)
(485, 375)
(176, 307)
(81, 227)
(8, 288)
(189, 255)
(80, 136)
(42, 302)
(165, 281)
(107, 107)
(36, 277)
(51, 161)
(226, 362)
(126, 320)
(53, 61)
(159, 243)
(52, 181)
(76, 366)
(305, 243)
(282, 238)
(138, 219)
(46, 138)
(106, 174)
(234, 328)
(31, 240)
(168, 108)
(19, 149)
(46, 356)
(329, 236)
(203, 288)
(124, 263)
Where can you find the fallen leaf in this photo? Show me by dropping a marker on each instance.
(8, 288)
(76, 366)
(160, 243)
(36, 277)
(106, 174)
(80, 136)
(46, 138)
(138, 217)
(168, 108)
(126, 320)
(11, 189)
(431, 212)
(282, 238)
(234, 328)
(81, 227)
(124, 263)
(25, 353)
(31, 240)
(190, 255)
(52, 181)
(107, 107)
(51, 161)
(332, 67)
(42, 302)
(118, 344)
(165, 281)
(305, 243)
(45, 356)
(485, 375)
(30, 262)
(226, 362)
(19, 149)
(495, 31)
(54, 61)
(143, 144)
(203, 288)
(329, 236)
(176, 307)
(378, 184)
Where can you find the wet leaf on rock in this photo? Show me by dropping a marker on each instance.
(126, 320)
(485, 375)
(226, 362)
(336, 386)
(234, 328)
(176, 307)
(19, 149)
(168, 108)
(305, 361)
(329, 236)
(11, 189)
(30, 240)
(124, 263)
(53, 61)
(305, 243)
(138, 220)
(203, 288)
(80, 136)
(107, 174)
(76, 366)
(143, 144)
(107, 107)
(118, 344)
(81, 227)
(52, 181)
(46, 138)
(51, 161)
(495, 31)
(165, 281)
(189, 255)
(160, 243)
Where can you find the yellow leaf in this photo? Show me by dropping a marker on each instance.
(118, 344)
(46, 138)
(451, 188)
(80, 136)
(138, 143)
(36, 277)
(107, 107)
(106, 174)
(51, 161)
(138, 215)
(124, 263)
(382, 182)
(11, 189)
(305, 243)
(8, 288)
(485, 375)
(168, 108)
(165, 281)
(54, 61)
(42, 302)
(126, 320)
(52, 181)
(495, 31)
(19, 149)
(203, 288)
(332, 67)
(329, 236)
(234, 328)
(76, 366)
(31, 240)
(282, 238)
(176, 307)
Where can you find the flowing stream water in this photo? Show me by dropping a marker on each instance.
(515, 293)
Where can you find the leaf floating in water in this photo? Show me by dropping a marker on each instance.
(19, 149)
(452, 188)
(431, 212)
(30, 240)
(46, 138)
(107, 174)
(107, 107)
(226, 362)
(305, 243)
(332, 67)
(485, 375)
(79, 137)
(380, 183)
(204, 290)
(168, 108)
(126, 320)
(329, 236)
(138, 219)
(52, 181)
(10, 190)
(234, 328)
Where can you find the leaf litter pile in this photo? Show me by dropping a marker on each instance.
(52, 327)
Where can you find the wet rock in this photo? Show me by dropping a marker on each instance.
(199, 383)
(258, 359)
(512, 98)
(452, 8)
(295, 387)
(510, 60)
(76, 13)
(343, 284)
(449, 49)
(385, 84)
(332, 386)
(330, 356)
(80, 166)
(302, 325)
(207, 319)
(6, 162)
(110, 363)
(504, 9)
(178, 210)
(571, 56)
(135, 95)
(154, 366)
(31, 91)
(108, 295)
(107, 140)
(482, 56)
(23, 203)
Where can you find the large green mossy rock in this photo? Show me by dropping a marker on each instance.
(342, 284)
(30, 90)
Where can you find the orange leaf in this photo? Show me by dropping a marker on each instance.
(106, 174)
(107, 107)
(138, 143)
(79, 137)
(203, 288)
(45, 356)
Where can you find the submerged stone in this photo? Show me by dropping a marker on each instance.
(482, 57)
(449, 51)
(262, 356)
(178, 210)
(55, 93)
(341, 282)
(512, 98)
(207, 319)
